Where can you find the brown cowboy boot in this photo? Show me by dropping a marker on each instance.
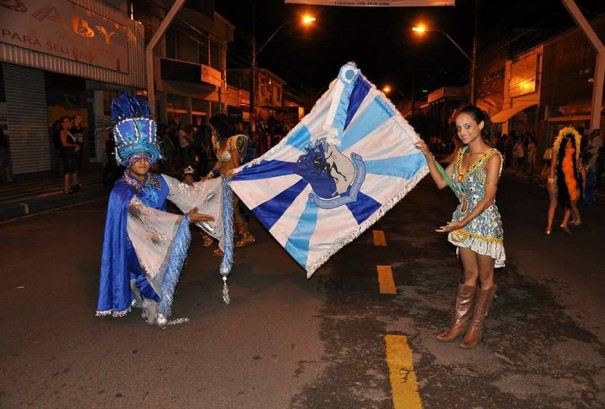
(475, 330)
(464, 306)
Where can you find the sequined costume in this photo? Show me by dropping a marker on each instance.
(484, 234)
(144, 246)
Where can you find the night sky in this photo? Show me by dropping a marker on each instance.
(380, 41)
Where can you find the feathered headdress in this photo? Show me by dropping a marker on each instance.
(134, 130)
(568, 132)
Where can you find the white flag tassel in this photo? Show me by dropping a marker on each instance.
(227, 261)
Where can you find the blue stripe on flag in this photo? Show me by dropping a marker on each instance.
(298, 242)
(362, 87)
(363, 208)
(401, 166)
(273, 209)
(375, 115)
(299, 138)
(265, 170)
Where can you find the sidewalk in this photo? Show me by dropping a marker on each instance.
(40, 192)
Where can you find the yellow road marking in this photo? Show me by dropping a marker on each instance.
(404, 385)
(379, 239)
(385, 280)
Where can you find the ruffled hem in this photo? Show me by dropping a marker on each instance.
(494, 249)
(114, 313)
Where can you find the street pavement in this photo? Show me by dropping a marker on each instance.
(288, 342)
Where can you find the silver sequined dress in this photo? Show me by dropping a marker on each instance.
(484, 233)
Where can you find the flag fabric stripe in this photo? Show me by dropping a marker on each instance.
(400, 166)
(335, 174)
(301, 137)
(359, 93)
(367, 121)
(298, 242)
(271, 169)
(363, 208)
(272, 210)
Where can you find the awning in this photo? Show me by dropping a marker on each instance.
(187, 89)
(508, 113)
(569, 118)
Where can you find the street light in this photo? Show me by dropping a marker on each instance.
(305, 20)
(387, 89)
(421, 29)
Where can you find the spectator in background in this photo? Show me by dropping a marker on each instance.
(185, 134)
(5, 158)
(77, 130)
(595, 144)
(201, 144)
(531, 154)
(518, 154)
(70, 155)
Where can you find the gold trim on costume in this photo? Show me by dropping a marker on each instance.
(461, 235)
(479, 162)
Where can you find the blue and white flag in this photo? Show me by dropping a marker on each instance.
(350, 160)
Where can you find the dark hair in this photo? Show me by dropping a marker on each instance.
(63, 118)
(223, 125)
(479, 116)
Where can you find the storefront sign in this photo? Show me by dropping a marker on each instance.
(65, 30)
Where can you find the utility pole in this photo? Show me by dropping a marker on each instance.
(599, 70)
(253, 72)
(473, 79)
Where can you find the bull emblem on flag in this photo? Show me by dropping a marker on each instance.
(334, 178)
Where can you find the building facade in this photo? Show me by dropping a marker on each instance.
(74, 56)
(60, 58)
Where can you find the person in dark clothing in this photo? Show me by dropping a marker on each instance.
(112, 170)
(201, 144)
(5, 158)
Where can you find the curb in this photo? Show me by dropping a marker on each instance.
(37, 204)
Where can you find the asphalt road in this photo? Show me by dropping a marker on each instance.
(289, 342)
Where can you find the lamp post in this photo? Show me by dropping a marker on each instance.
(421, 29)
(387, 89)
(305, 20)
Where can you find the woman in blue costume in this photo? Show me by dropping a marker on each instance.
(144, 246)
(476, 226)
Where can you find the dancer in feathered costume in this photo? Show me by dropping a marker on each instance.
(144, 246)
(563, 181)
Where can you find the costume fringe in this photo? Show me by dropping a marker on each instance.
(178, 321)
(568, 168)
(227, 261)
(494, 249)
(178, 254)
(368, 222)
(115, 314)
